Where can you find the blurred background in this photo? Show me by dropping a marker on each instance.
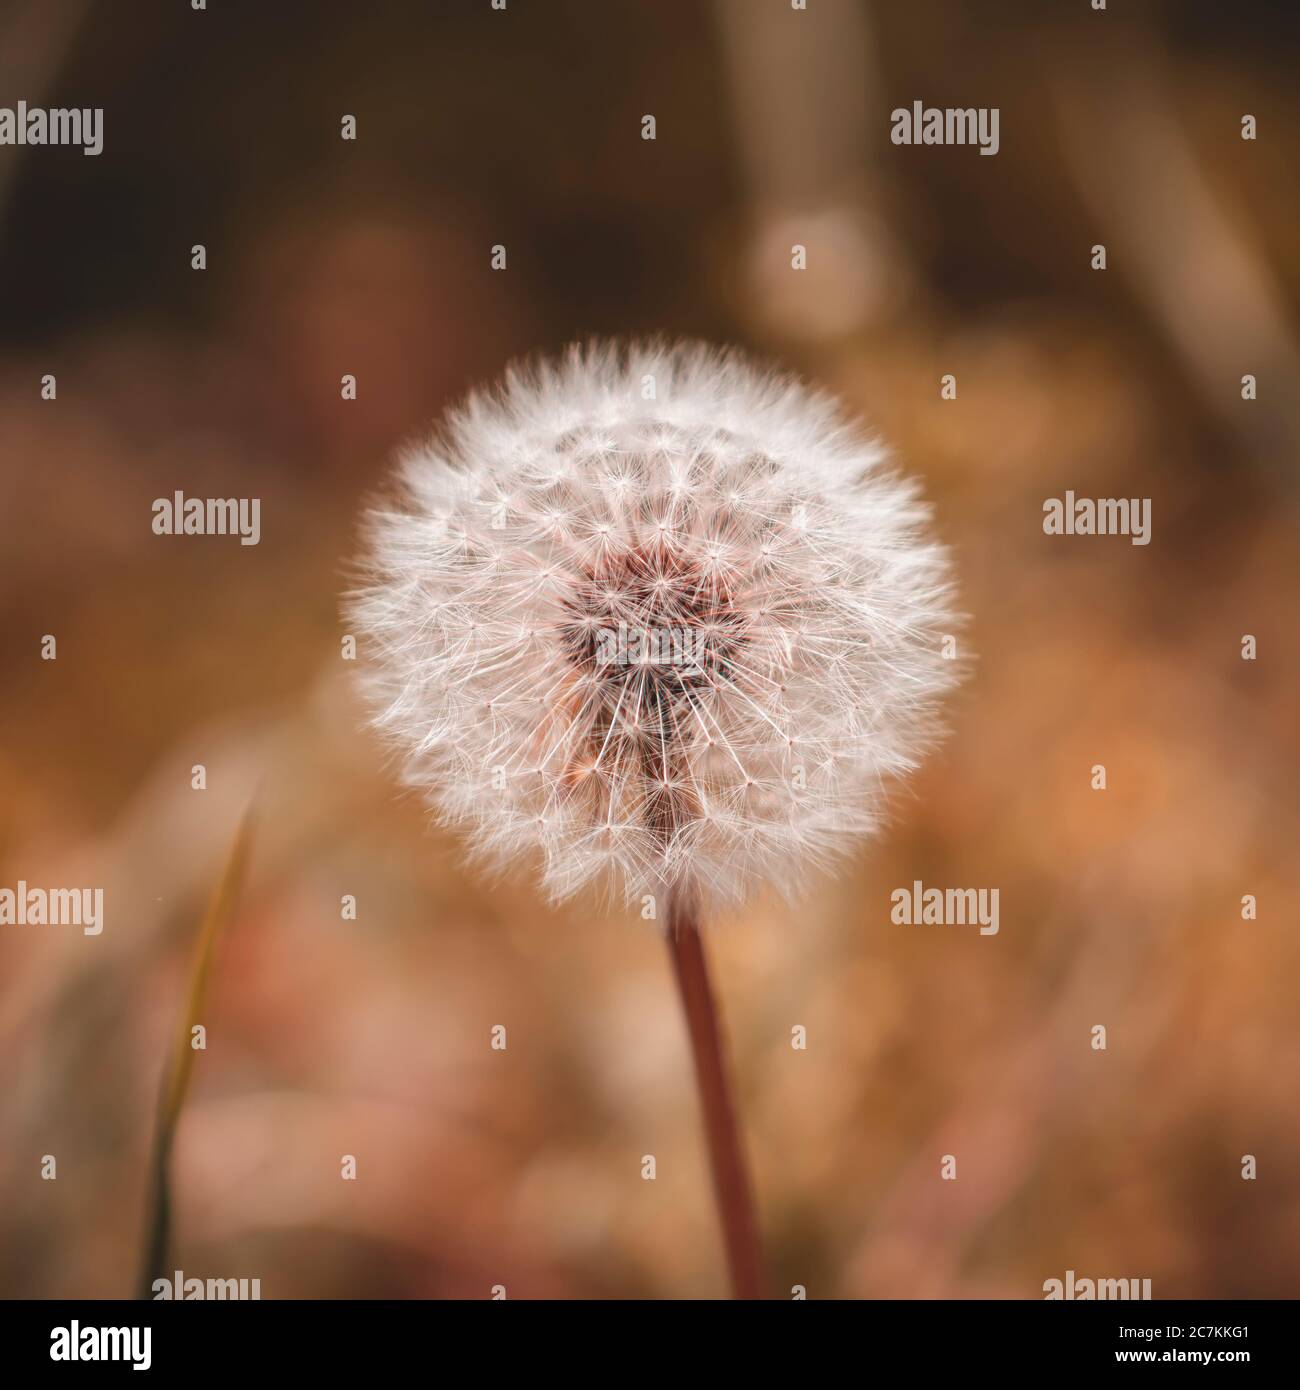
(372, 1037)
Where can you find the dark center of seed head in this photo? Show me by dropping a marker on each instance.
(651, 614)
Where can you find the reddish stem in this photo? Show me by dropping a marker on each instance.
(731, 1184)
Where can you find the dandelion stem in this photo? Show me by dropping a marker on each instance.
(731, 1183)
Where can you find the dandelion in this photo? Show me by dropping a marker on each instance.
(668, 624)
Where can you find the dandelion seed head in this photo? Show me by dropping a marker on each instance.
(659, 618)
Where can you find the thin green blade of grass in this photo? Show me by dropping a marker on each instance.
(176, 1078)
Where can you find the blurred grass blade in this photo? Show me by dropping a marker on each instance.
(176, 1078)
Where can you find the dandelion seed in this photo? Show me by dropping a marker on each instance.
(737, 507)
(544, 553)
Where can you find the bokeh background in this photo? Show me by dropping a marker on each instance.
(479, 1167)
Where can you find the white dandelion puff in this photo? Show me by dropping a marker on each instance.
(661, 618)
